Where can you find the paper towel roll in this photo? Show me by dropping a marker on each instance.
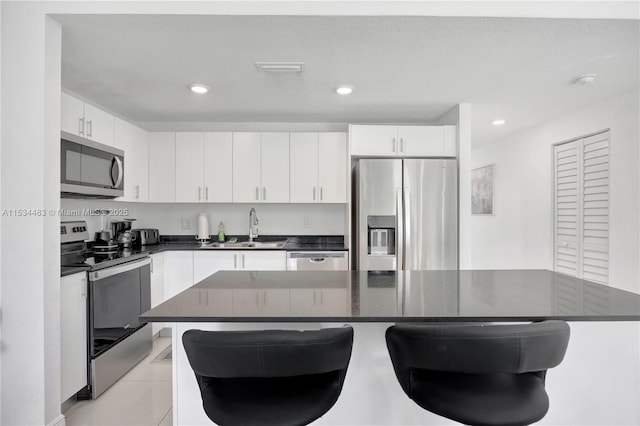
(203, 227)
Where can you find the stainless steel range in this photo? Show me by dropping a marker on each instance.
(119, 291)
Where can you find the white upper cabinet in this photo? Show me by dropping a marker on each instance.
(246, 167)
(260, 167)
(402, 141)
(71, 115)
(162, 167)
(83, 119)
(203, 164)
(99, 125)
(420, 141)
(218, 167)
(450, 141)
(134, 141)
(318, 167)
(275, 167)
(303, 167)
(190, 167)
(332, 167)
(374, 140)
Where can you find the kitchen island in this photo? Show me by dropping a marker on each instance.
(597, 383)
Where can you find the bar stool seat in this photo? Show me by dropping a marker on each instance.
(270, 377)
(478, 374)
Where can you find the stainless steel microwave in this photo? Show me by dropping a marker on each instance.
(90, 169)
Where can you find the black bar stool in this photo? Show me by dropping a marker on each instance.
(478, 374)
(270, 377)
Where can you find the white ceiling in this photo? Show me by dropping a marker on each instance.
(404, 69)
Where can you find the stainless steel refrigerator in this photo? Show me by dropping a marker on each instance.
(406, 214)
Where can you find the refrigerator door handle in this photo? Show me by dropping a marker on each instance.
(407, 229)
(399, 231)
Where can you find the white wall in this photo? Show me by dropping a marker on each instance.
(30, 242)
(520, 234)
(275, 219)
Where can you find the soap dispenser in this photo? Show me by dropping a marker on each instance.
(221, 232)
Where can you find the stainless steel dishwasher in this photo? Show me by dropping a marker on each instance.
(317, 261)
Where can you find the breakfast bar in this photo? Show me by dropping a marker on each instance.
(597, 383)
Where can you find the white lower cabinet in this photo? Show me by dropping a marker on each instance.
(73, 334)
(157, 286)
(178, 272)
(262, 260)
(319, 301)
(183, 269)
(206, 263)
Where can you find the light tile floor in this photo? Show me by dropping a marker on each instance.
(142, 397)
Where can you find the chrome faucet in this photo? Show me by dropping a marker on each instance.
(253, 224)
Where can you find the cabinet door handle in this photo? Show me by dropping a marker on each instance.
(314, 297)
(402, 145)
(257, 297)
(90, 129)
(151, 266)
(199, 193)
(243, 261)
(394, 145)
(264, 193)
(321, 298)
(137, 187)
(81, 126)
(314, 193)
(257, 193)
(235, 261)
(321, 193)
(206, 193)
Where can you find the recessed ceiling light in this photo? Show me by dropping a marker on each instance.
(344, 90)
(584, 79)
(280, 66)
(199, 88)
(498, 122)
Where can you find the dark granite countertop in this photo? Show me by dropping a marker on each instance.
(294, 243)
(188, 243)
(411, 296)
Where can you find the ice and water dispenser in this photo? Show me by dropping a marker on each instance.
(381, 235)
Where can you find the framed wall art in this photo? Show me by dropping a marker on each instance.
(482, 190)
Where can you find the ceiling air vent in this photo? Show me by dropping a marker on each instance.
(280, 66)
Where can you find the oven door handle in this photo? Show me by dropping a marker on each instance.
(115, 270)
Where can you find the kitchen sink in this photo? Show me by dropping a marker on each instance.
(267, 245)
(246, 244)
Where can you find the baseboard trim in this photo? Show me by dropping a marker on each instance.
(58, 421)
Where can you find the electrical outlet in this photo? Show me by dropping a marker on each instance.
(307, 222)
(186, 225)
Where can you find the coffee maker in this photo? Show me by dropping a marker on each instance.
(121, 230)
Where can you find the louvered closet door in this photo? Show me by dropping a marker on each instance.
(595, 208)
(582, 208)
(567, 221)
